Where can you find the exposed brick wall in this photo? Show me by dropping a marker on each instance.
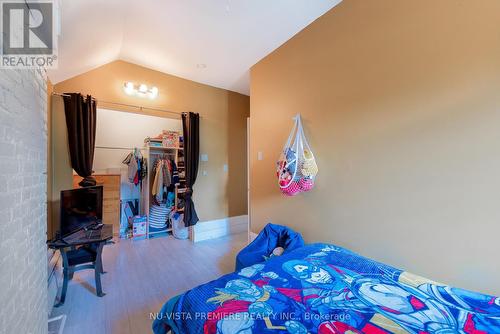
(23, 214)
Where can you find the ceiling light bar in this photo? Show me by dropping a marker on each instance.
(141, 90)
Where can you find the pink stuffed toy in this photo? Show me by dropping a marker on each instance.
(292, 189)
(306, 184)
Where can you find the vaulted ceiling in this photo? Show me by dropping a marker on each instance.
(209, 41)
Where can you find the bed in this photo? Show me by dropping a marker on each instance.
(322, 288)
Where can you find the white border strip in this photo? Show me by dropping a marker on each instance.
(251, 236)
(220, 227)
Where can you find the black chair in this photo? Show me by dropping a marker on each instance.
(84, 257)
(83, 250)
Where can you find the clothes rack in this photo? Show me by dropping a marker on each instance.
(153, 154)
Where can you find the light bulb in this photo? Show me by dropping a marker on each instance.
(143, 89)
(153, 93)
(129, 88)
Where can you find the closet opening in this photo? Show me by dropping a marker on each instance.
(139, 159)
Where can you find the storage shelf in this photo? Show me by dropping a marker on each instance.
(153, 150)
(165, 148)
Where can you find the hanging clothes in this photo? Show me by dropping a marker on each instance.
(131, 162)
(157, 189)
(162, 181)
(175, 174)
(167, 175)
(144, 169)
(137, 167)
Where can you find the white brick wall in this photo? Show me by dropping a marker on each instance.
(23, 220)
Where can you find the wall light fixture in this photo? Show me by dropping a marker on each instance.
(141, 90)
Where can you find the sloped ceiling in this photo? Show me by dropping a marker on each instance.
(209, 41)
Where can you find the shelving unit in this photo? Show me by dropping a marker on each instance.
(152, 152)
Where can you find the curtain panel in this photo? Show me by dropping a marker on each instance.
(81, 124)
(191, 132)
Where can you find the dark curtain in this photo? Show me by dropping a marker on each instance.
(81, 123)
(191, 129)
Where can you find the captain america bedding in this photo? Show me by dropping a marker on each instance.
(322, 288)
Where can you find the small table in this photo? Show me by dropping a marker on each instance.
(82, 250)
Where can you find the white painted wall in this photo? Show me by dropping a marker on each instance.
(127, 130)
(23, 198)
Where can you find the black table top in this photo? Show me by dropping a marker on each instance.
(83, 237)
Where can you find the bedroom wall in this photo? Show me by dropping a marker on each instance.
(401, 103)
(60, 173)
(50, 89)
(218, 117)
(23, 199)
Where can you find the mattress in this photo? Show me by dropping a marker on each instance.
(323, 288)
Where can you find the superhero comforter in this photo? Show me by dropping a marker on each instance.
(323, 289)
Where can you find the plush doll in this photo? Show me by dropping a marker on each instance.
(306, 184)
(309, 167)
(278, 251)
(292, 189)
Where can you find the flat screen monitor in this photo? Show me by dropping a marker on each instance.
(80, 208)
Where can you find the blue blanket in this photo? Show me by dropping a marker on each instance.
(323, 289)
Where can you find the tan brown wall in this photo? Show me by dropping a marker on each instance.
(239, 106)
(401, 103)
(60, 176)
(215, 196)
(60, 173)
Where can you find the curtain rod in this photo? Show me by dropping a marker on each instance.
(118, 148)
(129, 105)
(133, 148)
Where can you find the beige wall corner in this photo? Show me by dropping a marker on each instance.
(238, 112)
(60, 173)
(400, 101)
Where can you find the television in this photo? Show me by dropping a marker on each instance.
(80, 208)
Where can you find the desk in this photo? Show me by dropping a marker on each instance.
(82, 250)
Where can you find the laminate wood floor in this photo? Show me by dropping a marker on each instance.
(141, 276)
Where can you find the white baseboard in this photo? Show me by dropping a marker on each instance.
(220, 227)
(251, 236)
